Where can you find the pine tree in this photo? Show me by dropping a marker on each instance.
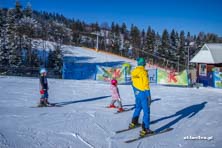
(143, 39)
(97, 26)
(135, 40)
(55, 59)
(50, 59)
(11, 56)
(177, 40)
(173, 38)
(200, 39)
(18, 15)
(123, 28)
(3, 40)
(18, 11)
(182, 50)
(150, 40)
(28, 10)
(188, 38)
(75, 34)
(117, 29)
(173, 46)
(211, 38)
(15, 55)
(27, 28)
(35, 62)
(113, 27)
(164, 50)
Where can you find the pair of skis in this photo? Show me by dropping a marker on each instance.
(48, 105)
(141, 137)
(124, 109)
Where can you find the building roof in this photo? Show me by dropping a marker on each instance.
(210, 53)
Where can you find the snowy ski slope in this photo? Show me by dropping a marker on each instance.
(84, 122)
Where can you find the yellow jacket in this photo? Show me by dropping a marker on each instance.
(140, 79)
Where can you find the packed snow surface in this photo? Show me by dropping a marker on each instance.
(83, 121)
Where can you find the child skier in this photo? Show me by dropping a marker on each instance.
(43, 88)
(115, 96)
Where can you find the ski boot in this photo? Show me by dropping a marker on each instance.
(111, 106)
(120, 109)
(145, 132)
(42, 103)
(47, 102)
(132, 125)
(134, 122)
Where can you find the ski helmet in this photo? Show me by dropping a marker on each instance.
(141, 62)
(113, 82)
(42, 70)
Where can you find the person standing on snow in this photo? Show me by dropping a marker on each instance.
(43, 88)
(141, 87)
(115, 95)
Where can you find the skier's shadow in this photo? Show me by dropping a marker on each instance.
(79, 101)
(186, 112)
(153, 100)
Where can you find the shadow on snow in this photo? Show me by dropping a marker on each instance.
(186, 112)
(153, 100)
(80, 101)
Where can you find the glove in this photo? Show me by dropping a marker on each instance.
(42, 91)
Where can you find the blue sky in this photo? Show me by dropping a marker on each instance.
(188, 15)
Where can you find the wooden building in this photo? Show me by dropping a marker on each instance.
(208, 59)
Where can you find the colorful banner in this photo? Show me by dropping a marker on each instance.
(217, 79)
(108, 73)
(172, 78)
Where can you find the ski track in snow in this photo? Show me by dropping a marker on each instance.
(91, 113)
(76, 135)
(3, 141)
(138, 145)
(103, 129)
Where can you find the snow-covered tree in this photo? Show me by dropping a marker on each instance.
(182, 48)
(27, 27)
(135, 39)
(28, 10)
(3, 40)
(150, 39)
(173, 39)
(55, 59)
(18, 11)
(9, 52)
(164, 50)
(15, 57)
(35, 62)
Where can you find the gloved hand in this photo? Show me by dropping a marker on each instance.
(42, 91)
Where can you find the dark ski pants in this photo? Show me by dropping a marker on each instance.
(45, 95)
